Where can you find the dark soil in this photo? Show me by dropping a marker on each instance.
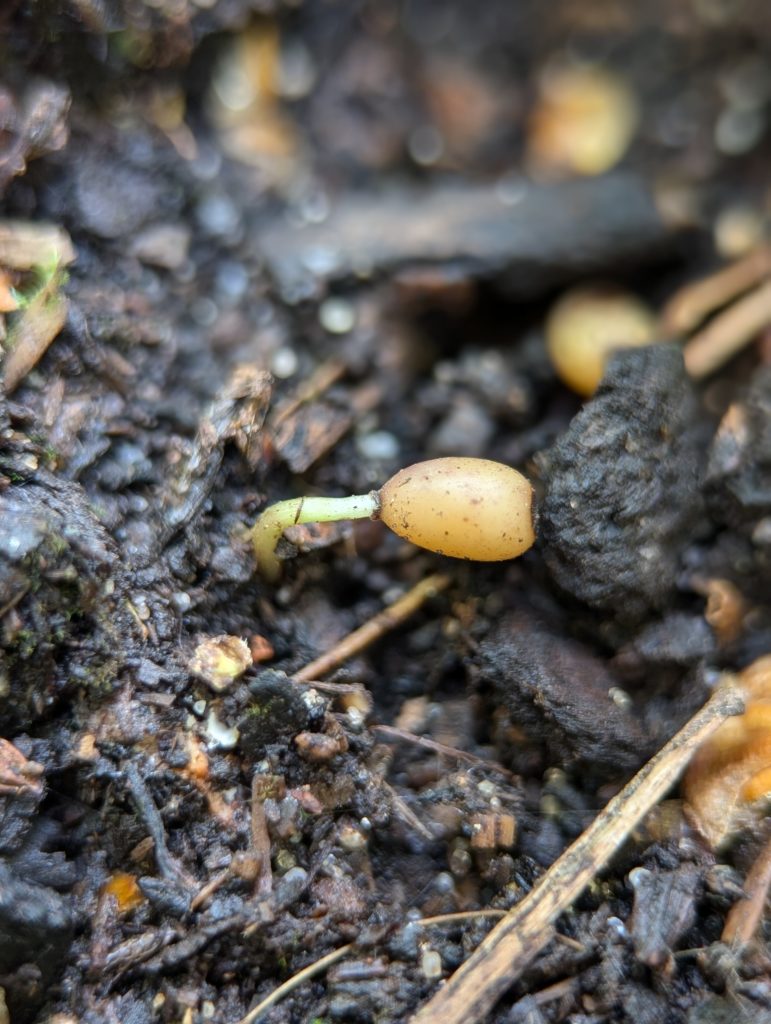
(301, 292)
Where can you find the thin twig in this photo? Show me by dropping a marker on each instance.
(371, 631)
(292, 983)
(208, 890)
(405, 812)
(556, 991)
(728, 333)
(337, 954)
(512, 945)
(261, 840)
(460, 915)
(441, 748)
(695, 301)
(745, 916)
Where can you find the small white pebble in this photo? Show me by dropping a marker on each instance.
(232, 85)
(620, 697)
(337, 316)
(639, 876)
(314, 208)
(355, 719)
(284, 362)
(297, 71)
(204, 312)
(320, 259)
(232, 280)
(181, 600)
(444, 882)
(761, 535)
(738, 131)
(431, 964)
(617, 926)
(380, 445)
(510, 189)
(425, 145)
(219, 735)
(738, 229)
(218, 215)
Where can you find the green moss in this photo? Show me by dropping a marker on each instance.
(257, 711)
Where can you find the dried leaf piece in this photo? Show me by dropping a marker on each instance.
(33, 330)
(17, 774)
(26, 244)
(732, 771)
(123, 887)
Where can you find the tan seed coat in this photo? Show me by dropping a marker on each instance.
(466, 508)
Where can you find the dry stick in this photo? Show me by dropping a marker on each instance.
(512, 945)
(292, 983)
(745, 916)
(405, 812)
(460, 915)
(261, 841)
(390, 731)
(694, 303)
(371, 631)
(337, 954)
(728, 333)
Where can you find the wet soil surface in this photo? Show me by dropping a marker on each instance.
(312, 246)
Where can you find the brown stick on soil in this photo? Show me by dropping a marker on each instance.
(391, 732)
(514, 943)
(728, 333)
(745, 916)
(694, 302)
(371, 631)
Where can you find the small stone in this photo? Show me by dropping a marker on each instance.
(291, 886)
(337, 316)
(431, 964)
(466, 430)
(220, 660)
(162, 245)
(220, 735)
(284, 363)
(378, 446)
(148, 673)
